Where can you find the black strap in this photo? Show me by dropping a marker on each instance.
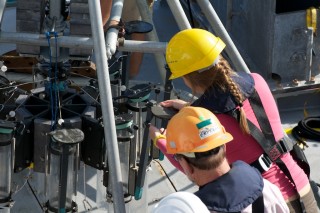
(261, 116)
(271, 148)
(258, 205)
(264, 135)
(266, 138)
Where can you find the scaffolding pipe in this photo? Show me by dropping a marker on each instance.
(112, 33)
(80, 42)
(41, 40)
(218, 27)
(179, 14)
(110, 135)
(142, 46)
(152, 36)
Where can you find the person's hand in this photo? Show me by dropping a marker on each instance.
(155, 134)
(163, 131)
(176, 103)
(153, 131)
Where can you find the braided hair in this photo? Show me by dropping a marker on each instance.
(219, 76)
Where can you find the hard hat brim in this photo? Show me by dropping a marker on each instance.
(172, 77)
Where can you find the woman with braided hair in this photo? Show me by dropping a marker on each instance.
(194, 55)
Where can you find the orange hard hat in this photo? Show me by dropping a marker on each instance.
(195, 129)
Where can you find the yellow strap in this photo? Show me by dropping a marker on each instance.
(288, 131)
(155, 140)
(312, 18)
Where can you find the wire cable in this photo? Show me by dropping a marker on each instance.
(27, 177)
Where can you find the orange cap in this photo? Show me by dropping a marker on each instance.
(195, 129)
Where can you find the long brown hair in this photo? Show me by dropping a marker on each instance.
(219, 76)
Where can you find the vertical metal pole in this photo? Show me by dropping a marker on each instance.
(179, 14)
(55, 9)
(107, 105)
(218, 27)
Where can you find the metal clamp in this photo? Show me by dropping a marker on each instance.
(263, 163)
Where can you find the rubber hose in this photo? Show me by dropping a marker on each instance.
(306, 129)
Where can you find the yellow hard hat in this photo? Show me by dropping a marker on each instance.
(192, 50)
(195, 129)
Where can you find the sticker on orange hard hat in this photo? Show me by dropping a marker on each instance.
(203, 123)
(208, 131)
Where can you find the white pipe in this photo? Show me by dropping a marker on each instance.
(179, 14)
(142, 46)
(112, 33)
